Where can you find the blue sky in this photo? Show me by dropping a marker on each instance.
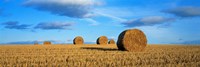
(60, 21)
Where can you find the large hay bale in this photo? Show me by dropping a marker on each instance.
(103, 40)
(47, 43)
(132, 40)
(112, 41)
(78, 40)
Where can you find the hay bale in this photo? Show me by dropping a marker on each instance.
(103, 40)
(47, 43)
(36, 43)
(112, 41)
(132, 40)
(78, 40)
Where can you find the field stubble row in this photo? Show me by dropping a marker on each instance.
(98, 56)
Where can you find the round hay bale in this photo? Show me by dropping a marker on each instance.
(78, 40)
(47, 43)
(36, 43)
(112, 41)
(132, 40)
(103, 40)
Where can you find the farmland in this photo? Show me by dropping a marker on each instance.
(97, 56)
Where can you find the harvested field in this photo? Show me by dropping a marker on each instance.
(98, 55)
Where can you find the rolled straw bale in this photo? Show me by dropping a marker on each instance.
(112, 41)
(78, 40)
(132, 40)
(47, 43)
(103, 40)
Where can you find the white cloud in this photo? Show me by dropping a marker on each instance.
(54, 25)
(92, 22)
(154, 19)
(111, 16)
(147, 21)
(70, 8)
(187, 11)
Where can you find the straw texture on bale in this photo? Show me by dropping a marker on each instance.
(103, 40)
(112, 41)
(78, 40)
(47, 43)
(132, 40)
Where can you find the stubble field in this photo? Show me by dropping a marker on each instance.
(97, 56)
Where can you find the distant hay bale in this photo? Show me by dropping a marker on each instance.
(36, 43)
(78, 40)
(103, 40)
(132, 40)
(47, 43)
(112, 41)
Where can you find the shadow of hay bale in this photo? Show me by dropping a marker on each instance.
(101, 49)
